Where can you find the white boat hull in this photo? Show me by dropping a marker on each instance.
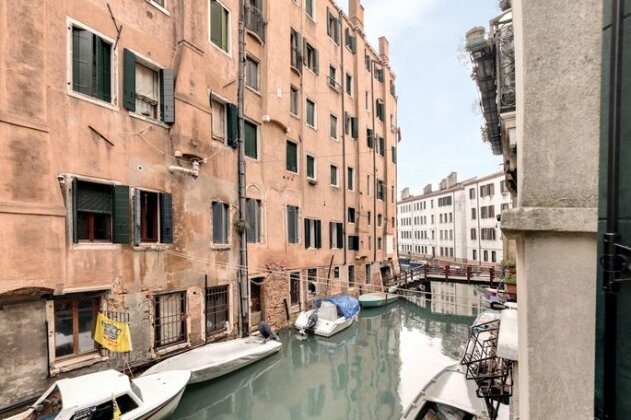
(323, 327)
(217, 359)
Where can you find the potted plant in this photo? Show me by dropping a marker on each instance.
(510, 284)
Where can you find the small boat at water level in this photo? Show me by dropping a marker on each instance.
(330, 316)
(372, 300)
(92, 396)
(217, 359)
(448, 395)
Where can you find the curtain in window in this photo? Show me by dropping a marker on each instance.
(146, 90)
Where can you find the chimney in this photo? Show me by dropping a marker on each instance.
(452, 179)
(405, 193)
(356, 13)
(384, 49)
(427, 189)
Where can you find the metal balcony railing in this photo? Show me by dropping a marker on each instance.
(254, 21)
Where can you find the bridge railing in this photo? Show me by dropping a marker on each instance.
(447, 272)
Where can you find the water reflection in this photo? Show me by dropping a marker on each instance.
(372, 370)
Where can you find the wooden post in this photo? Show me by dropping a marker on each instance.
(491, 275)
(468, 274)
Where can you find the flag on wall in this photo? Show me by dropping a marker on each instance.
(112, 335)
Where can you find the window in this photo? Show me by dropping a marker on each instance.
(351, 41)
(367, 61)
(473, 234)
(313, 234)
(353, 243)
(394, 154)
(503, 188)
(441, 217)
(471, 193)
(368, 274)
(473, 214)
(169, 318)
(217, 315)
(252, 73)
(311, 57)
(311, 167)
(74, 326)
(350, 179)
(351, 276)
(312, 281)
(381, 146)
(147, 91)
(310, 8)
(504, 206)
(91, 64)
(336, 235)
(292, 224)
(369, 185)
(379, 219)
(432, 216)
(219, 25)
(369, 138)
(255, 294)
(221, 222)
(486, 255)
(451, 217)
(296, 50)
(333, 78)
(218, 119)
(333, 26)
(487, 234)
(334, 177)
(253, 217)
(294, 288)
(251, 135)
(493, 256)
(333, 127)
(292, 157)
(311, 113)
(379, 111)
(369, 217)
(294, 101)
(351, 215)
(381, 190)
(475, 255)
(379, 241)
(336, 272)
(94, 217)
(349, 84)
(153, 220)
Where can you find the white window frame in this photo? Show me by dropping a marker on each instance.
(223, 102)
(161, 8)
(70, 23)
(220, 245)
(258, 139)
(297, 156)
(253, 59)
(150, 64)
(351, 178)
(297, 90)
(337, 123)
(337, 177)
(229, 52)
(315, 113)
(315, 166)
(315, 8)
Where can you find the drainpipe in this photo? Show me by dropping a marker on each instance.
(342, 75)
(194, 171)
(374, 159)
(611, 273)
(243, 245)
(477, 217)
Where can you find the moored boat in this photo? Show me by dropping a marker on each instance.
(372, 300)
(329, 315)
(107, 394)
(217, 359)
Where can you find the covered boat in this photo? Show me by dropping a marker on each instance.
(217, 359)
(329, 315)
(103, 394)
(448, 395)
(372, 300)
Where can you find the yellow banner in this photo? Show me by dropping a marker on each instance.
(112, 335)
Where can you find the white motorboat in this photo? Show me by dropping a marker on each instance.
(93, 396)
(217, 359)
(448, 395)
(330, 316)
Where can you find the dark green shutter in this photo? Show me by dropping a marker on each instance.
(129, 80)
(166, 218)
(307, 232)
(304, 50)
(369, 137)
(394, 154)
(331, 224)
(232, 116)
(316, 54)
(103, 68)
(354, 128)
(340, 235)
(121, 214)
(82, 56)
(317, 232)
(167, 96)
(216, 13)
(292, 156)
(353, 44)
(137, 218)
(75, 227)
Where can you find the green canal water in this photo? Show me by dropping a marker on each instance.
(372, 370)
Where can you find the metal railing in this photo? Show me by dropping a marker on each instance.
(456, 273)
(216, 309)
(254, 21)
(169, 318)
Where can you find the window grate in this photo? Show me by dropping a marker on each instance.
(170, 319)
(216, 309)
(294, 288)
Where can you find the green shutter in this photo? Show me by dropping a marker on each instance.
(310, 167)
(331, 224)
(103, 69)
(121, 215)
(82, 56)
(167, 96)
(166, 218)
(394, 154)
(316, 54)
(292, 156)
(317, 232)
(307, 232)
(75, 227)
(251, 147)
(216, 18)
(354, 128)
(340, 235)
(232, 114)
(369, 137)
(129, 80)
(136, 217)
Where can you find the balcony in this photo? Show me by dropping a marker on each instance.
(254, 21)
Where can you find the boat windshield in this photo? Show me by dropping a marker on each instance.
(136, 390)
(47, 407)
(436, 411)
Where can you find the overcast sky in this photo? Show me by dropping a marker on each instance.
(438, 100)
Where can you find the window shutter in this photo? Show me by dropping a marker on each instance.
(137, 218)
(232, 114)
(304, 51)
(316, 55)
(307, 232)
(369, 138)
(121, 215)
(129, 80)
(340, 235)
(82, 61)
(291, 157)
(75, 228)
(103, 68)
(317, 233)
(331, 224)
(353, 40)
(167, 96)
(354, 128)
(166, 218)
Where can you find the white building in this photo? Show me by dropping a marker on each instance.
(458, 223)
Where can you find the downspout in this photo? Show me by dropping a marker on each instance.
(611, 273)
(344, 169)
(374, 158)
(453, 212)
(243, 245)
(477, 217)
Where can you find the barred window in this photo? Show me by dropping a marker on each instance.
(170, 319)
(216, 309)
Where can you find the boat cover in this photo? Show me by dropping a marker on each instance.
(348, 305)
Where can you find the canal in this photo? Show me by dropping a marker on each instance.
(372, 370)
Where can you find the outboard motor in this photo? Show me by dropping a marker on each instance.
(267, 332)
(311, 322)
